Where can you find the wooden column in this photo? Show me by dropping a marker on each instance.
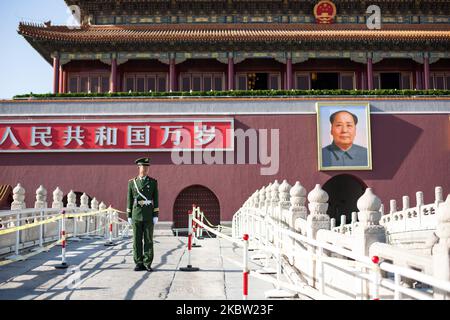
(230, 72)
(418, 80)
(56, 72)
(363, 80)
(113, 78)
(61, 79)
(369, 73)
(172, 75)
(426, 73)
(288, 85)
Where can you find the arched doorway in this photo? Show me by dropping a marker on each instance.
(202, 197)
(344, 191)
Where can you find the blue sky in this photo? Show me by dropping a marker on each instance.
(22, 69)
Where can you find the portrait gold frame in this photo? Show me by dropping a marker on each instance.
(369, 166)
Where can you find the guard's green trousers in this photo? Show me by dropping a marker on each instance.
(143, 242)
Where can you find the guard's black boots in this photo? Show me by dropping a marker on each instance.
(149, 268)
(139, 267)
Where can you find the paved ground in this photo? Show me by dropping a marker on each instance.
(107, 273)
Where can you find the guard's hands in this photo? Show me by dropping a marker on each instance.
(130, 221)
(155, 220)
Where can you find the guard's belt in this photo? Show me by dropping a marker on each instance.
(145, 202)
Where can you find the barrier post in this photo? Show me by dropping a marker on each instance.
(110, 242)
(189, 267)
(75, 237)
(202, 217)
(98, 226)
(195, 226)
(278, 292)
(267, 269)
(16, 256)
(63, 264)
(87, 236)
(376, 279)
(41, 234)
(245, 267)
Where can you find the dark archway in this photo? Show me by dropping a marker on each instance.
(202, 197)
(344, 191)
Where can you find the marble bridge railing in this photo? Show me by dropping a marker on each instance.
(95, 225)
(292, 208)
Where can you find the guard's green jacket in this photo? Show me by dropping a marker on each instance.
(149, 188)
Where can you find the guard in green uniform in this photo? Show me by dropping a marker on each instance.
(143, 212)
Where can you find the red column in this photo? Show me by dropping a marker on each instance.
(426, 73)
(113, 79)
(369, 74)
(230, 73)
(418, 80)
(288, 74)
(172, 75)
(56, 74)
(61, 79)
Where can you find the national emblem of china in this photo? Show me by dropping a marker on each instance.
(325, 12)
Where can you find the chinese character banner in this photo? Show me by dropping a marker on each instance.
(117, 135)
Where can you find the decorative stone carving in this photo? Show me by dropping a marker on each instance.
(255, 199)
(275, 193)
(71, 200)
(369, 208)
(284, 194)
(268, 194)
(298, 199)
(41, 198)
(94, 204)
(318, 201)
(102, 206)
(19, 198)
(405, 202)
(318, 206)
(84, 202)
(369, 229)
(57, 199)
(262, 197)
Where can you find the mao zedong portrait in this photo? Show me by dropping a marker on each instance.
(342, 152)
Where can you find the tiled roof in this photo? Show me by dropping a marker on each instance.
(235, 32)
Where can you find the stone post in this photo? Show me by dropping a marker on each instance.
(57, 199)
(275, 200)
(438, 196)
(262, 201)
(71, 200)
(102, 206)
(94, 204)
(318, 206)
(298, 209)
(405, 201)
(285, 201)
(84, 202)
(41, 198)
(441, 250)
(19, 198)
(369, 230)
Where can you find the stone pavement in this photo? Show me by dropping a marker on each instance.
(107, 273)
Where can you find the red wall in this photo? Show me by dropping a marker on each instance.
(410, 153)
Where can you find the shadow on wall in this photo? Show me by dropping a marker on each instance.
(392, 141)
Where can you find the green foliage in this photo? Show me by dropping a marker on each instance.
(237, 93)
